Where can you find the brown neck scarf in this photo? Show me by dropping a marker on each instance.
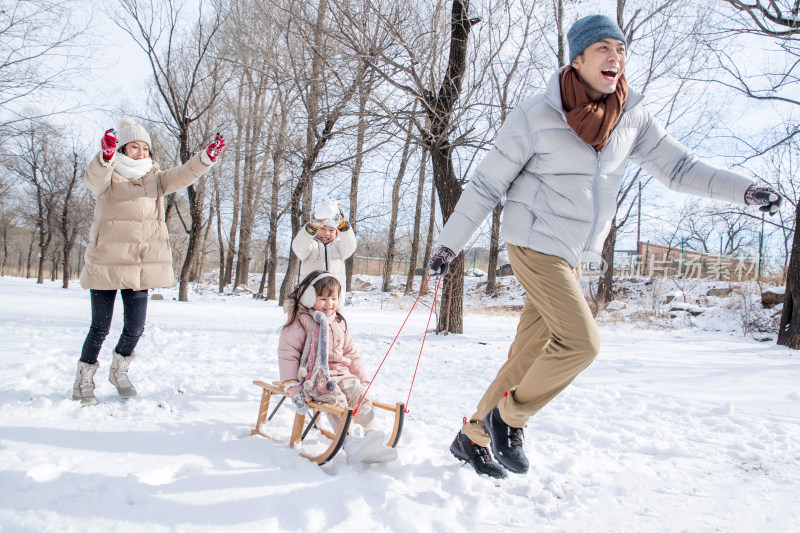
(592, 121)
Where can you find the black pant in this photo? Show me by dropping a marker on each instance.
(134, 307)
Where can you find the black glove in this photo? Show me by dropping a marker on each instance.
(440, 261)
(766, 197)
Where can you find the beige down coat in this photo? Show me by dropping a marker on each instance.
(129, 243)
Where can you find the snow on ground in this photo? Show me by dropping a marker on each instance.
(682, 424)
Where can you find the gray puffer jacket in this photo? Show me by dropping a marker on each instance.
(561, 195)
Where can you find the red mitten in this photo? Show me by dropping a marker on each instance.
(216, 146)
(108, 144)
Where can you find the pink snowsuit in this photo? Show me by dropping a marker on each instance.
(344, 364)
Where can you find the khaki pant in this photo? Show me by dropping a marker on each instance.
(346, 393)
(556, 339)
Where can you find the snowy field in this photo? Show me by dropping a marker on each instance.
(676, 428)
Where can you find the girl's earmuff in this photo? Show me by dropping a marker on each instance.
(309, 296)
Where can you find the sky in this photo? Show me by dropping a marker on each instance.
(120, 74)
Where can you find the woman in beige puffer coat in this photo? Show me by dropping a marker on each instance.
(128, 246)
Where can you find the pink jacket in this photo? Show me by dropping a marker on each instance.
(343, 357)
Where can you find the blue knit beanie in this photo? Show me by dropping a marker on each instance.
(588, 30)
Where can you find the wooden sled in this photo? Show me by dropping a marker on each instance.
(300, 429)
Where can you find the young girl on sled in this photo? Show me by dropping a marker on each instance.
(317, 361)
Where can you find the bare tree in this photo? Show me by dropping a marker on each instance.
(415, 232)
(35, 162)
(655, 30)
(41, 52)
(509, 77)
(73, 204)
(325, 79)
(183, 66)
(395, 208)
(778, 22)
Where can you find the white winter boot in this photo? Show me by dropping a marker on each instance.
(381, 454)
(368, 449)
(358, 448)
(83, 389)
(118, 374)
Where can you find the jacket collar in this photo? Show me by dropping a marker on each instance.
(553, 95)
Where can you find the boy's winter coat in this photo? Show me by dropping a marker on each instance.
(563, 205)
(315, 255)
(129, 243)
(343, 357)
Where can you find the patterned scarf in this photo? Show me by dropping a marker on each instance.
(313, 367)
(592, 121)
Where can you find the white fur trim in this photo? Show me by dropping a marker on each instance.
(205, 159)
(107, 163)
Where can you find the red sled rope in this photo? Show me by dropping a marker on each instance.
(422, 289)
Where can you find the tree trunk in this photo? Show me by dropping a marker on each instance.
(401, 172)
(196, 200)
(237, 166)
(30, 256)
(44, 247)
(274, 215)
(440, 106)
(66, 252)
(54, 268)
(605, 286)
(264, 271)
(426, 258)
(200, 264)
(364, 90)
(452, 297)
(494, 249)
(789, 330)
(412, 266)
(220, 240)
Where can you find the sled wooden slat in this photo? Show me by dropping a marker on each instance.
(337, 436)
(399, 410)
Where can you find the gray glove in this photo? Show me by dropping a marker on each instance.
(767, 198)
(300, 404)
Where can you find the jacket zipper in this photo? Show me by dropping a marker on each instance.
(596, 171)
(594, 200)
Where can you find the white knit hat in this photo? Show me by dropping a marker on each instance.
(129, 131)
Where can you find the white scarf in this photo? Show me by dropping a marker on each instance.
(130, 168)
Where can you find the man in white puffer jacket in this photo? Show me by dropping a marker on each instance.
(325, 242)
(559, 159)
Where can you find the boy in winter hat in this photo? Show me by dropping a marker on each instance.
(325, 242)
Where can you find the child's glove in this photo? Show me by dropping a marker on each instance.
(311, 228)
(299, 403)
(216, 147)
(440, 261)
(295, 391)
(343, 225)
(108, 144)
(766, 197)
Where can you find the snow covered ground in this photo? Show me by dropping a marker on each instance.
(684, 425)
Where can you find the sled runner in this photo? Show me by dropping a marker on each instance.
(300, 428)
